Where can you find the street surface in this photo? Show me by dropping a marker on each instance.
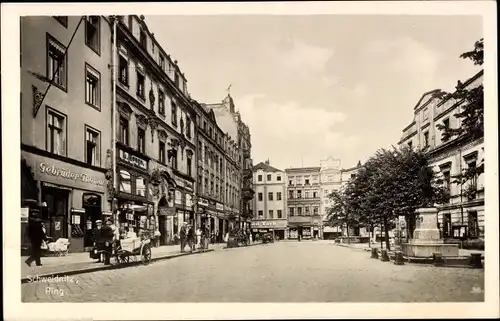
(280, 272)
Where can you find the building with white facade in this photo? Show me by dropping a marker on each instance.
(269, 203)
(463, 216)
(330, 180)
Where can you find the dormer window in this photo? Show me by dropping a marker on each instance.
(143, 40)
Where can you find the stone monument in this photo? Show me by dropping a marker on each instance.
(426, 238)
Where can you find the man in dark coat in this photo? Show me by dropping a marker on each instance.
(191, 237)
(183, 235)
(97, 235)
(37, 237)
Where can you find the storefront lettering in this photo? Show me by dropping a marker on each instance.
(66, 173)
(131, 159)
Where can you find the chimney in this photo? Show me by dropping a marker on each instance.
(359, 163)
(267, 162)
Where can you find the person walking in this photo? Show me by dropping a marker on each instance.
(191, 238)
(198, 238)
(96, 235)
(37, 238)
(205, 237)
(183, 235)
(108, 237)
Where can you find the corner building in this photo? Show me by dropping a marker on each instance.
(303, 202)
(155, 135)
(65, 135)
(270, 202)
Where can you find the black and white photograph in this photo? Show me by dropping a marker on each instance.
(277, 153)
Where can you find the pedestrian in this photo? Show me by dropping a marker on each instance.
(206, 237)
(37, 238)
(96, 236)
(108, 237)
(198, 238)
(191, 237)
(183, 235)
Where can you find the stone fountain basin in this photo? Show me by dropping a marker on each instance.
(425, 250)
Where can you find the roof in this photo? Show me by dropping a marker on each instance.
(303, 169)
(265, 167)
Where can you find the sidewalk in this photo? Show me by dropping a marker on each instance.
(75, 263)
(364, 246)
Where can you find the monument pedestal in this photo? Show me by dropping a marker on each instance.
(426, 239)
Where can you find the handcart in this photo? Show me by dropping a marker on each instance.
(123, 250)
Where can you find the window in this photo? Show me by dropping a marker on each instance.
(210, 132)
(280, 214)
(62, 20)
(123, 131)
(299, 210)
(315, 194)
(123, 70)
(278, 196)
(306, 194)
(290, 194)
(471, 166)
(270, 196)
(162, 62)
(446, 124)
(259, 178)
(271, 214)
(92, 28)
(299, 194)
(189, 166)
(473, 224)
(410, 145)
(260, 197)
(143, 40)
(290, 211)
(174, 159)
(316, 210)
(56, 131)
(161, 102)
(425, 114)
(278, 178)
(93, 87)
(426, 139)
(140, 186)
(353, 175)
(261, 213)
(56, 63)
(141, 140)
(307, 210)
(188, 127)
(92, 147)
(290, 182)
(174, 114)
(125, 182)
(161, 152)
(268, 177)
(447, 180)
(176, 79)
(307, 182)
(140, 85)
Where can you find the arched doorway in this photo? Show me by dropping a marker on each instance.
(93, 211)
(163, 220)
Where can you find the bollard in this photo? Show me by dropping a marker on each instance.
(437, 258)
(374, 254)
(384, 256)
(398, 258)
(475, 260)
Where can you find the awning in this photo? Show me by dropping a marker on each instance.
(28, 183)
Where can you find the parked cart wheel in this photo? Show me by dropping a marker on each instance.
(146, 254)
(122, 259)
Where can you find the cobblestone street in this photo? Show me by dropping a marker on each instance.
(280, 272)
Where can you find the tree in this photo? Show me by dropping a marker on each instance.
(471, 114)
(392, 183)
(338, 213)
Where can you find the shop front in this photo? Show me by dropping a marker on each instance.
(183, 200)
(307, 227)
(275, 227)
(208, 213)
(71, 196)
(134, 205)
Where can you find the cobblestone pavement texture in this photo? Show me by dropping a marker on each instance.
(279, 272)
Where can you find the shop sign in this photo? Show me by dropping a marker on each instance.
(219, 207)
(202, 201)
(133, 160)
(167, 211)
(211, 203)
(66, 173)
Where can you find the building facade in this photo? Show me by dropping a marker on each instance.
(346, 174)
(246, 165)
(303, 202)
(65, 123)
(155, 135)
(330, 180)
(269, 203)
(463, 215)
(211, 182)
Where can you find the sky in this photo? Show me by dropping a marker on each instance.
(315, 86)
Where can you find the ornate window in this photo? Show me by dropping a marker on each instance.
(125, 182)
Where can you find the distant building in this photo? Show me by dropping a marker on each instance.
(330, 180)
(269, 203)
(346, 175)
(463, 215)
(303, 202)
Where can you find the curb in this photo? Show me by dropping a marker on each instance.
(240, 247)
(109, 267)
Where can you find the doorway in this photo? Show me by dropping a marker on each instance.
(93, 212)
(55, 215)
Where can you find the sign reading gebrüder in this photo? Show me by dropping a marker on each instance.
(133, 160)
(68, 174)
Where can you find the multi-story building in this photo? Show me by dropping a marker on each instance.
(231, 123)
(270, 202)
(232, 179)
(330, 180)
(211, 190)
(155, 134)
(303, 202)
(463, 216)
(65, 123)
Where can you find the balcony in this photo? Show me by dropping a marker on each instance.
(247, 173)
(246, 153)
(247, 193)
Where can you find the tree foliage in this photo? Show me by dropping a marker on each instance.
(391, 183)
